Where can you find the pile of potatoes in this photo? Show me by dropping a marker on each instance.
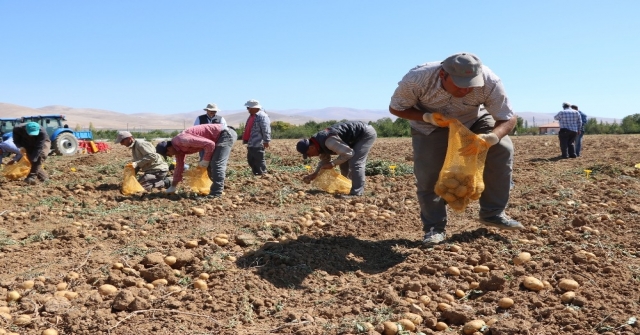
(457, 188)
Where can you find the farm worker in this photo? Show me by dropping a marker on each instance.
(583, 118)
(257, 135)
(351, 141)
(459, 87)
(214, 139)
(145, 158)
(7, 148)
(34, 141)
(570, 126)
(210, 116)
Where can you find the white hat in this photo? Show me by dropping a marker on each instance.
(212, 108)
(253, 104)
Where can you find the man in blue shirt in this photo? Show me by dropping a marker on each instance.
(570, 126)
(583, 118)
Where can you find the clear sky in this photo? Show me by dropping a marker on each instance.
(176, 56)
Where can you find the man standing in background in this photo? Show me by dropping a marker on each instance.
(570, 126)
(583, 118)
(257, 135)
(210, 117)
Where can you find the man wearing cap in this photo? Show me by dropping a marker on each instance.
(34, 141)
(351, 141)
(583, 118)
(257, 135)
(7, 147)
(570, 126)
(459, 87)
(153, 166)
(214, 139)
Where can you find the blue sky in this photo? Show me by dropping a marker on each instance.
(176, 56)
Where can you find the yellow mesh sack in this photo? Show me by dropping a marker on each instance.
(130, 184)
(197, 179)
(331, 181)
(18, 170)
(460, 180)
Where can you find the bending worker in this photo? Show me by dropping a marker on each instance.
(351, 141)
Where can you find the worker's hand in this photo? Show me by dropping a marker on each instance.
(265, 144)
(170, 190)
(491, 138)
(204, 163)
(328, 166)
(23, 151)
(134, 164)
(11, 162)
(479, 143)
(308, 178)
(435, 119)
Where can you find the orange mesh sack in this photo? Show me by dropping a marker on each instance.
(331, 181)
(197, 179)
(460, 179)
(18, 170)
(130, 184)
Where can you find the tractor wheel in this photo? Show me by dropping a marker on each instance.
(65, 144)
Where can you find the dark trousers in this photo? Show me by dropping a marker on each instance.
(567, 142)
(255, 158)
(36, 166)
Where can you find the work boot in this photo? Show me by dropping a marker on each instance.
(31, 180)
(433, 237)
(167, 182)
(502, 221)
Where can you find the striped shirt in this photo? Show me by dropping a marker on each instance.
(421, 88)
(569, 119)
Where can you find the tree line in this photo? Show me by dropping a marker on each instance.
(385, 127)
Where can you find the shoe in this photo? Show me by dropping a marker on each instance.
(167, 182)
(502, 222)
(31, 180)
(433, 237)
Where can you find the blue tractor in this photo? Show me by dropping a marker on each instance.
(64, 141)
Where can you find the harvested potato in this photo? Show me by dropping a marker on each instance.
(568, 285)
(505, 303)
(200, 284)
(220, 241)
(415, 318)
(27, 284)
(49, 331)
(390, 328)
(441, 326)
(191, 244)
(22, 320)
(522, 258)
(454, 271)
(159, 282)
(481, 269)
(107, 289)
(407, 325)
(473, 326)
(13, 296)
(567, 297)
(533, 283)
(425, 300)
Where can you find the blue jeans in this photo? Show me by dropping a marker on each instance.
(218, 165)
(354, 168)
(579, 143)
(429, 152)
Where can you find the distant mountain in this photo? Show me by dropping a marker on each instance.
(104, 119)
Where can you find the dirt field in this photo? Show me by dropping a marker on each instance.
(345, 267)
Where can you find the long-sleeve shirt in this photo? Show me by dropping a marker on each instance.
(192, 140)
(8, 147)
(34, 145)
(146, 157)
(569, 119)
(335, 144)
(260, 130)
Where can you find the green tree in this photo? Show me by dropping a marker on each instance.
(631, 124)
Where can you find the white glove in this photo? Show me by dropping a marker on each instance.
(433, 118)
(491, 138)
(171, 189)
(134, 164)
(203, 163)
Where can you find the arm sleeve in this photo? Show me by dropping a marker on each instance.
(223, 122)
(324, 158)
(557, 117)
(177, 172)
(265, 127)
(406, 94)
(197, 121)
(497, 103)
(336, 145)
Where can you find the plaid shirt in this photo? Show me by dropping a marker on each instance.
(569, 119)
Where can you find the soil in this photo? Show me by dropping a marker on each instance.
(349, 265)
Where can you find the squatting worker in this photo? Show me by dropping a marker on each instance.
(7, 147)
(153, 166)
(459, 87)
(35, 142)
(351, 141)
(257, 135)
(214, 139)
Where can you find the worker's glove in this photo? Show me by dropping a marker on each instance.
(171, 189)
(435, 119)
(23, 151)
(204, 163)
(134, 164)
(479, 143)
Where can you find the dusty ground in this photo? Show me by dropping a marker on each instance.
(357, 263)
